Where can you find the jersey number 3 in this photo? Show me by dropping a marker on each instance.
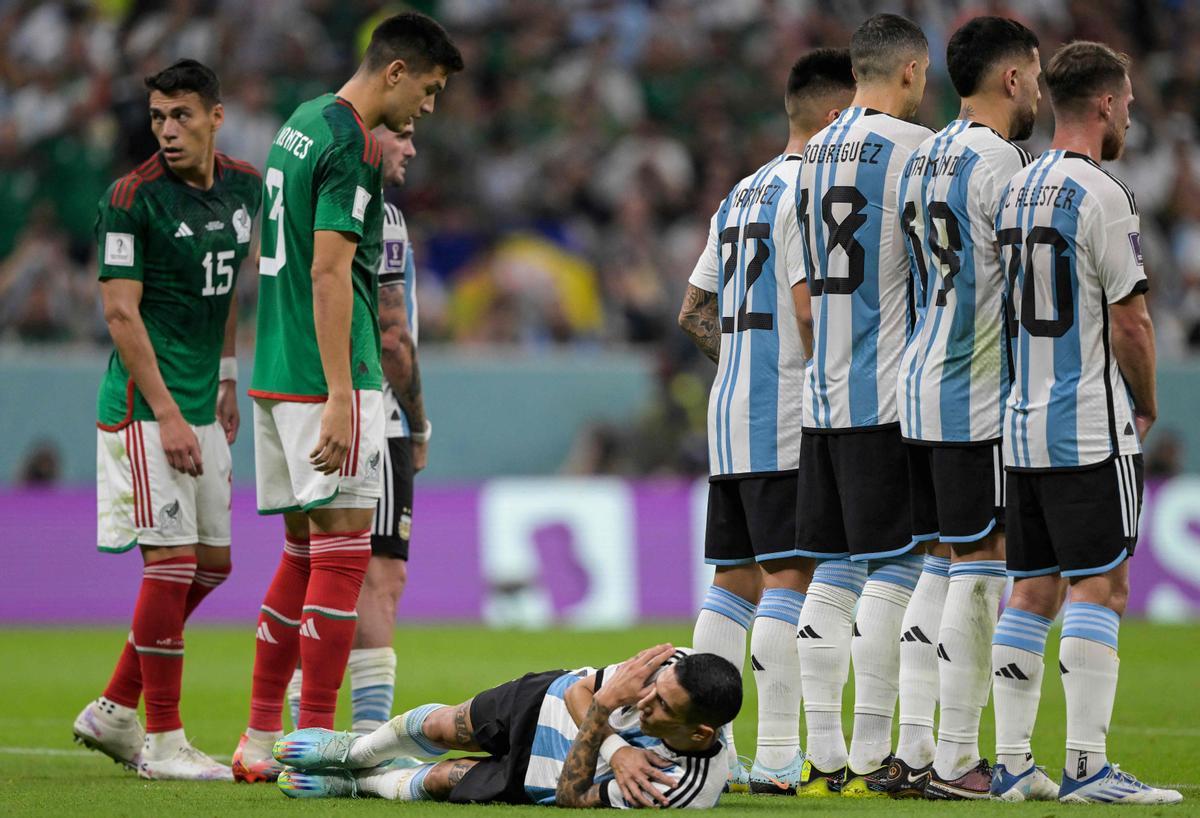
(760, 232)
(270, 265)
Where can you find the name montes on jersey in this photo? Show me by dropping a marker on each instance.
(294, 141)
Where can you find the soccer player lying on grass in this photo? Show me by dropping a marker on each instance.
(644, 733)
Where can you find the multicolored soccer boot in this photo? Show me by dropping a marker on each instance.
(1031, 785)
(253, 764)
(314, 748)
(1112, 786)
(318, 784)
(973, 785)
(906, 781)
(770, 781)
(109, 728)
(739, 775)
(816, 783)
(872, 784)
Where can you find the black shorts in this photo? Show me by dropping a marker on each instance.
(852, 495)
(504, 720)
(749, 519)
(1075, 523)
(956, 492)
(393, 514)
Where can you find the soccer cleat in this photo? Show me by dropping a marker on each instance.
(739, 776)
(314, 748)
(1031, 785)
(186, 763)
(319, 784)
(905, 781)
(974, 784)
(816, 783)
(770, 781)
(99, 728)
(867, 785)
(251, 765)
(1112, 786)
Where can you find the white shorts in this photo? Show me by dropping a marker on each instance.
(285, 432)
(141, 500)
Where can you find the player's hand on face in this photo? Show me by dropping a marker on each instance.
(227, 410)
(180, 444)
(334, 443)
(630, 682)
(420, 454)
(636, 770)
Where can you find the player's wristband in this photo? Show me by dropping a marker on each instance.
(610, 747)
(228, 369)
(423, 437)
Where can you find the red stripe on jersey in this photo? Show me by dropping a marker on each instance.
(367, 138)
(228, 162)
(285, 396)
(145, 476)
(123, 422)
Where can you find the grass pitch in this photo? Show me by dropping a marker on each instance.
(48, 675)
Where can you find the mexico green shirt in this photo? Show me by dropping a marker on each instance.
(323, 173)
(185, 246)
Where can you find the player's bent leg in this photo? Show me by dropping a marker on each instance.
(372, 662)
(776, 666)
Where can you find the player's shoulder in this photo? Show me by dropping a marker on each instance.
(392, 216)
(124, 192)
(900, 131)
(1114, 197)
(348, 133)
(241, 175)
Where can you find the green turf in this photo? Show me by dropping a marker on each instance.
(46, 676)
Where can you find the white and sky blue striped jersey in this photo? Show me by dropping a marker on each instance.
(954, 372)
(1070, 239)
(857, 267)
(700, 777)
(753, 255)
(396, 267)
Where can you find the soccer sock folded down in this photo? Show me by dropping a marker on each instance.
(125, 687)
(372, 685)
(776, 665)
(338, 565)
(158, 638)
(919, 662)
(278, 640)
(406, 784)
(402, 736)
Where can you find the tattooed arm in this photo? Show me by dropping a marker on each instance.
(576, 787)
(399, 361)
(698, 318)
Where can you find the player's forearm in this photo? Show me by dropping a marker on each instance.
(333, 306)
(1133, 346)
(229, 347)
(575, 784)
(137, 353)
(399, 356)
(698, 318)
(804, 322)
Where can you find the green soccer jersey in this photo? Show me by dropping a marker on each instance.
(323, 173)
(185, 246)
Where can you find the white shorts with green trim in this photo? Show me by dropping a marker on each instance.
(286, 432)
(141, 500)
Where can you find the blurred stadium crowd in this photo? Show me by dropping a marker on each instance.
(562, 191)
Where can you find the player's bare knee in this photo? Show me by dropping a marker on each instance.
(213, 557)
(743, 580)
(451, 727)
(988, 547)
(339, 520)
(793, 573)
(1039, 595)
(295, 523)
(154, 553)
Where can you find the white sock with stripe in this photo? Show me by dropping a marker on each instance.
(776, 666)
(402, 736)
(721, 628)
(965, 641)
(1017, 649)
(1088, 660)
(372, 686)
(919, 662)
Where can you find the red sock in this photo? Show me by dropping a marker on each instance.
(339, 563)
(125, 686)
(158, 638)
(278, 643)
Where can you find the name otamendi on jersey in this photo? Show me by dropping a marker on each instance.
(1070, 241)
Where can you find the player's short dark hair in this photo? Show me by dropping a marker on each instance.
(1081, 70)
(981, 43)
(415, 38)
(714, 687)
(820, 71)
(187, 76)
(883, 43)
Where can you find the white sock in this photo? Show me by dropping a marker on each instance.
(293, 696)
(876, 652)
(965, 640)
(1087, 656)
(372, 686)
(406, 784)
(823, 642)
(721, 628)
(160, 746)
(114, 712)
(776, 666)
(919, 663)
(1018, 646)
(402, 736)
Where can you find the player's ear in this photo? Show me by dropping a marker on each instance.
(831, 115)
(1106, 106)
(1010, 82)
(910, 73)
(217, 115)
(395, 70)
(702, 733)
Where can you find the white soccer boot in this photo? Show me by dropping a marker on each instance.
(171, 757)
(1112, 786)
(112, 729)
(1031, 785)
